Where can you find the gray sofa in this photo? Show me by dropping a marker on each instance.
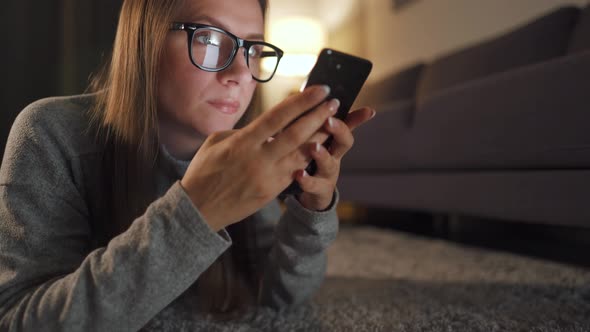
(498, 130)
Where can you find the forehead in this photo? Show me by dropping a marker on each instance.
(240, 17)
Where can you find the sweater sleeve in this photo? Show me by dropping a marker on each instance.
(296, 262)
(49, 278)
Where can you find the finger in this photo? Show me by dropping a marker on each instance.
(342, 137)
(319, 136)
(327, 165)
(302, 130)
(219, 136)
(353, 120)
(358, 117)
(312, 184)
(302, 156)
(275, 120)
(298, 159)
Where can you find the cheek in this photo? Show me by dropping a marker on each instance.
(249, 93)
(179, 82)
(168, 81)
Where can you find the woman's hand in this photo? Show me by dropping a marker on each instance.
(318, 190)
(236, 173)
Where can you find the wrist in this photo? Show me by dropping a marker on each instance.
(208, 217)
(315, 203)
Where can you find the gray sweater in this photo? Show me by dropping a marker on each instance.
(51, 277)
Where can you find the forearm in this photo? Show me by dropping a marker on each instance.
(122, 286)
(297, 261)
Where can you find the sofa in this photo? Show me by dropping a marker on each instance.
(499, 129)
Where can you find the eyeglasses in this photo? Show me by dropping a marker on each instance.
(213, 49)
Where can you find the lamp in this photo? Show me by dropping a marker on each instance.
(301, 38)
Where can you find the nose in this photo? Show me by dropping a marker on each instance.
(238, 71)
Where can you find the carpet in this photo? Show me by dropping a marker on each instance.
(382, 280)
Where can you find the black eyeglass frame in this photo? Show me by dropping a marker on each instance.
(191, 28)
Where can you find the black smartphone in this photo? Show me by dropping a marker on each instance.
(345, 74)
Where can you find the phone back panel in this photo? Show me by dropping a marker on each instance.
(345, 74)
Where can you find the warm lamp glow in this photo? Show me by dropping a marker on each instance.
(301, 38)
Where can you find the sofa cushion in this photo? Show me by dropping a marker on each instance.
(534, 117)
(400, 85)
(542, 39)
(581, 37)
(380, 144)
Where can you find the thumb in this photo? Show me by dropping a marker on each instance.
(358, 117)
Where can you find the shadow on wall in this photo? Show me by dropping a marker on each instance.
(50, 48)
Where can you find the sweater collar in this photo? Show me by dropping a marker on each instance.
(172, 166)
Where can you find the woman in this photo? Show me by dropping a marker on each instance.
(116, 203)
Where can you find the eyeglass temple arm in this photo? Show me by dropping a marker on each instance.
(176, 26)
(268, 54)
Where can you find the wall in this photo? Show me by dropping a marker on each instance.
(350, 34)
(50, 48)
(428, 28)
(344, 22)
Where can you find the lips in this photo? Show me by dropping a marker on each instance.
(225, 106)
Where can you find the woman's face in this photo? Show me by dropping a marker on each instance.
(193, 103)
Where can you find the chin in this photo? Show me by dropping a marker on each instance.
(218, 127)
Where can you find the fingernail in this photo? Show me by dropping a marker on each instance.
(373, 114)
(326, 89)
(317, 147)
(333, 106)
(305, 174)
(331, 122)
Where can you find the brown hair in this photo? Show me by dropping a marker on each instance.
(124, 118)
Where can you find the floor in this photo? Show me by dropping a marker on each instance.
(381, 279)
(569, 245)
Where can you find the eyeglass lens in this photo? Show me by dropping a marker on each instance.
(213, 49)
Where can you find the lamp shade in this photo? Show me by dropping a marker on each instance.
(301, 38)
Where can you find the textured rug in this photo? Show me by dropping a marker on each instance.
(381, 280)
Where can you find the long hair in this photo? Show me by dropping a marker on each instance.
(124, 118)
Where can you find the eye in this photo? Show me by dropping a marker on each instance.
(255, 51)
(207, 39)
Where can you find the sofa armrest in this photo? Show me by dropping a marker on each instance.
(379, 143)
(531, 117)
(398, 86)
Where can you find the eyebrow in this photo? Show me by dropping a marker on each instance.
(219, 24)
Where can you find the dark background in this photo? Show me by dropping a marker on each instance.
(50, 48)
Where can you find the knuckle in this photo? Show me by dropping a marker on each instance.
(294, 135)
(275, 121)
(265, 126)
(260, 188)
(333, 166)
(230, 152)
(246, 133)
(296, 161)
(308, 184)
(269, 122)
(210, 140)
(214, 137)
(350, 142)
(301, 158)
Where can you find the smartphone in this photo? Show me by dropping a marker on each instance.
(345, 74)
